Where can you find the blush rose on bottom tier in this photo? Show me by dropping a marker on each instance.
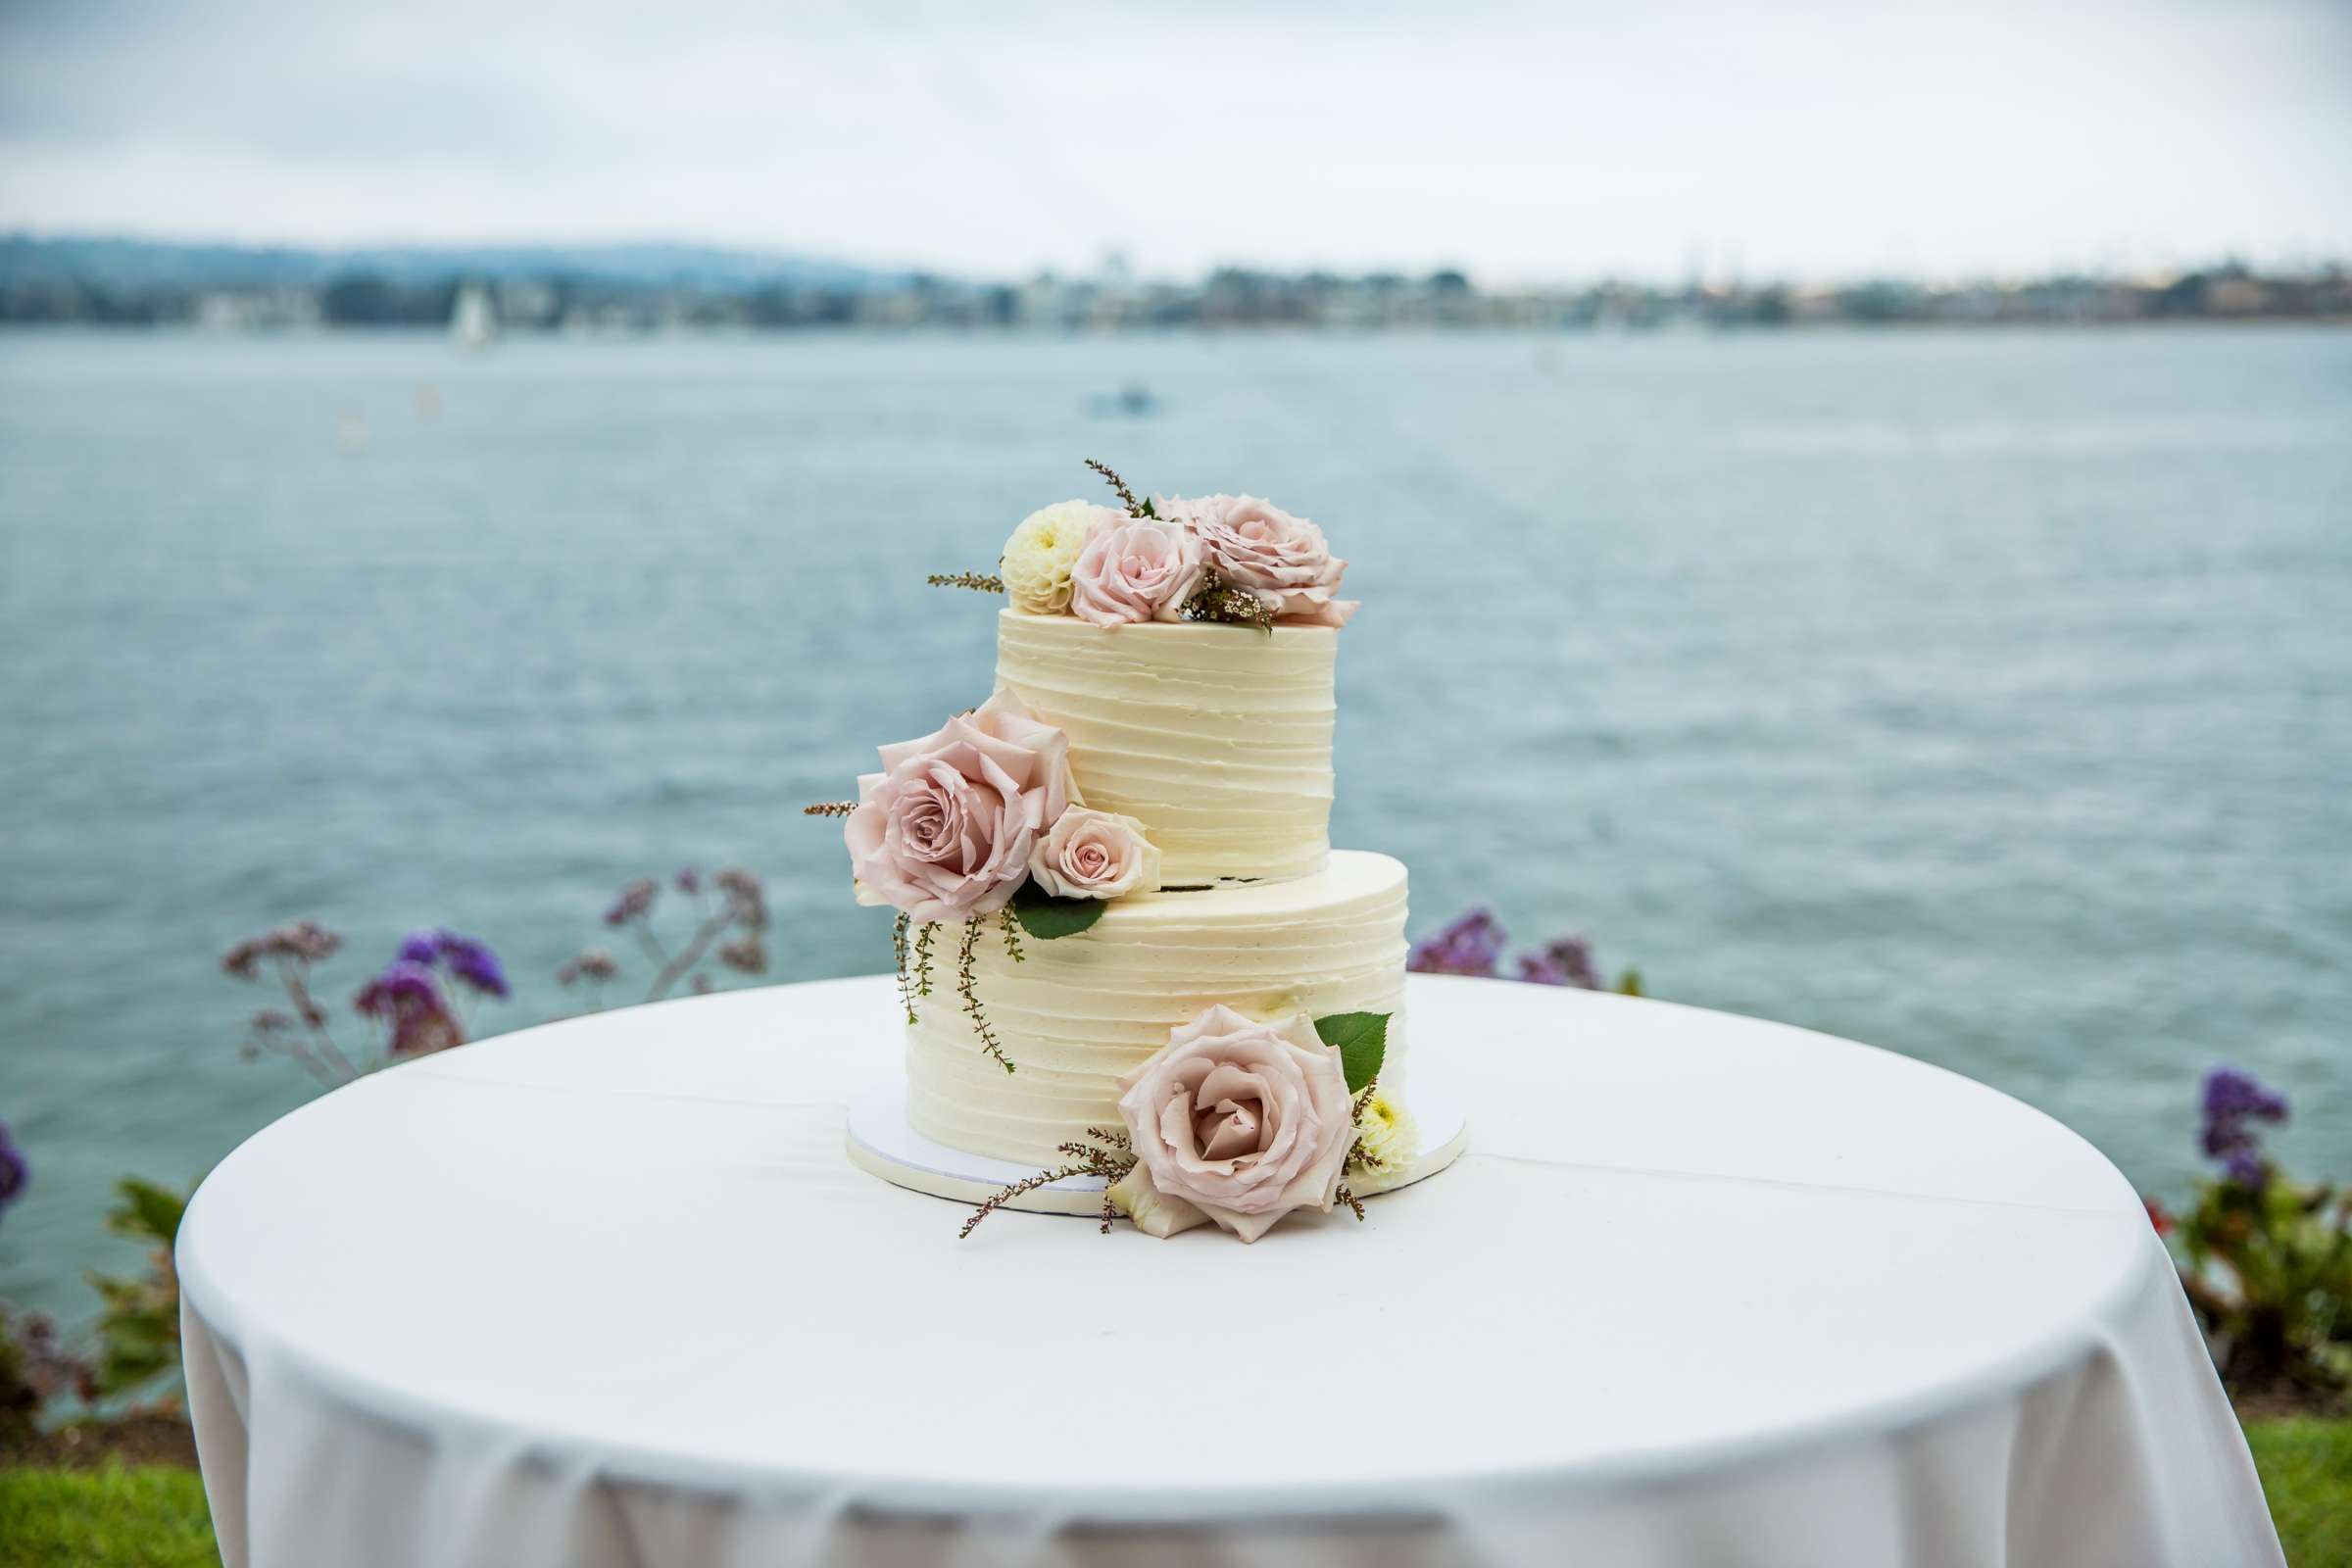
(1235, 1122)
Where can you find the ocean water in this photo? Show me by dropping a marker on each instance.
(1986, 697)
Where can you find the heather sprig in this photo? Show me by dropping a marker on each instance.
(984, 582)
(1127, 500)
(1105, 1153)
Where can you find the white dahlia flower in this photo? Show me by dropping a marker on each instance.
(1038, 557)
(1388, 1135)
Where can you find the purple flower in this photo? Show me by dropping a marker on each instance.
(14, 1173)
(1565, 961)
(1471, 945)
(633, 900)
(689, 880)
(595, 964)
(420, 947)
(302, 942)
(2234, 1103)
(407, 996)
(470, 963)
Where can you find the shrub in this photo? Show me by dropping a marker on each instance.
(2266, 1260)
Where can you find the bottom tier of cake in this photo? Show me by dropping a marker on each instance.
(1075, 1014)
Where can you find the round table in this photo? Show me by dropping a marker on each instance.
(1703, 1291)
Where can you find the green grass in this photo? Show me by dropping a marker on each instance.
(2306, 1470)
(111, 1517)
(154, 1517)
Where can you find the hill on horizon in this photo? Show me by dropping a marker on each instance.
(127, 263)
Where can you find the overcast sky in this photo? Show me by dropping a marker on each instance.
(1523, 142)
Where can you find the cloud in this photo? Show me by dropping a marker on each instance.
(1522, 141)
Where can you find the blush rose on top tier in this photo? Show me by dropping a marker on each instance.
(1236, 1122)
(1136, 569)
(1095, 855)
(1254, 544)
(944, 831)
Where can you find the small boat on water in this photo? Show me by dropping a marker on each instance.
(472, 320)
(1134, 401)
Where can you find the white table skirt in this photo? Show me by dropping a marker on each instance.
(1704, 1291)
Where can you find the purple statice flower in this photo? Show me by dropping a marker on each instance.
(595, 964)
(745, 895)
(471, 963)
(689, 880)
(420, 947)
(408, 997)
(301, 942)
(1564, 961)
(1471, 945)
(2234, 1103)
(14, 1173)
(632, 901)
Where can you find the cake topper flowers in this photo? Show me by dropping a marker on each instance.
(1237, 1122)
(1240, 560)
(981, 819)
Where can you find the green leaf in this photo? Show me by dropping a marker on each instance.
(1362, 1039)
(145, 1210)
(1629, 984)
(1149, 511)
(1045, 917)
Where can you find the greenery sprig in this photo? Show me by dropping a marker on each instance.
(898, 947)
(829, 809)
(985, 582)
(967, 987)
(922, 957)
(1108, 1155)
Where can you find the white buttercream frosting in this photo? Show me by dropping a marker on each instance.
(1078, 1011)
(1216, 738)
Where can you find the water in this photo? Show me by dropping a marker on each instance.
(1986, 697)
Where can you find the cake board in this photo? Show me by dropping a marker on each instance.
(882, 1142)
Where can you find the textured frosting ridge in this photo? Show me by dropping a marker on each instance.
(1081, 1011)
(1216, 738)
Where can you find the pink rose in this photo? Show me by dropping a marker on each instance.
(1095, 855)
(1256, 546)
(1135, 568)
(1236, 1122)
(945, 830)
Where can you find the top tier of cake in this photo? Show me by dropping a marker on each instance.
(1216, 738)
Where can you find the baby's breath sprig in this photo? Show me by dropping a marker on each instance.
(1214, 601)
(967, 987)
(1127, 499)
(983, 582)
(1012, 936)
(829, 809)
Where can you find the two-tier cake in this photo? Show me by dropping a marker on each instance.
(1126, 946)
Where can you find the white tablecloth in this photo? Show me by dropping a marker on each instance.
(1705, 1291)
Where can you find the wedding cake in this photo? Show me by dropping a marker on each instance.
(1125, 945)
